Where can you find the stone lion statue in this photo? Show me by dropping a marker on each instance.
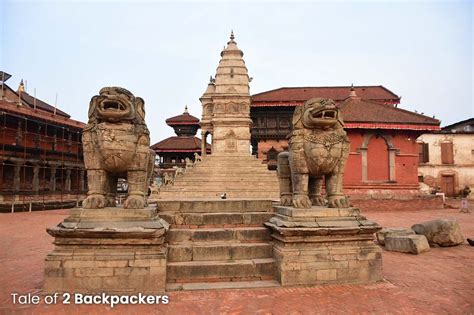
(318, 148)
(116, 144)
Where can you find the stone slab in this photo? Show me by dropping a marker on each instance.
(215, 205)
(317, 212)
(413, 244)
(221, 269)
(222, 285)
(383, 233)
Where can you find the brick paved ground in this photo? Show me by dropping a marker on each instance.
(440, 281)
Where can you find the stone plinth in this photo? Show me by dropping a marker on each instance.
(324, 245)
(112, 250)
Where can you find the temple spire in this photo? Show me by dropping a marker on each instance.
(186, 109)
(232, 37)
(352, 92)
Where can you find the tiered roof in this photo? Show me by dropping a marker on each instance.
(361, 113)
(185, 127)
(293, 96)
(372, 107)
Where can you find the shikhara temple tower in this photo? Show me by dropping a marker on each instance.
(226, 105)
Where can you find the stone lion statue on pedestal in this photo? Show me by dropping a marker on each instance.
(116, 144)
(318, 148)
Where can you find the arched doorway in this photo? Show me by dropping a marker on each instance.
(378, 158)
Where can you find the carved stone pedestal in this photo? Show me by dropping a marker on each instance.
(111, 250)
(324, 245)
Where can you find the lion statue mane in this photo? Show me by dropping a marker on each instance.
(318, 148)
(116, 144)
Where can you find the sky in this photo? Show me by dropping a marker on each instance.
(165, 52)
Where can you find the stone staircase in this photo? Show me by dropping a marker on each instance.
(218, 244)
(237, 176)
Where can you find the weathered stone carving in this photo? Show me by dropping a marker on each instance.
(116, 144)
(189, 163)
(318, 147)
(168, 179)
(197, 158)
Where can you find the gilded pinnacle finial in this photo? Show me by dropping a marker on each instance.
(352, 93)
(186, 109)
(232, 37)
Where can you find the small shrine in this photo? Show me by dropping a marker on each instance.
(174, 150)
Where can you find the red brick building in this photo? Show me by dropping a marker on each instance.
(41, 162)
(384, 153)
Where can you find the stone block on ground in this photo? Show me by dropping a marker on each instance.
(442, 232)
(413, 244)
(385, 232)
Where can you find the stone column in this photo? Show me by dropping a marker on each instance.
(67, 184)
(52, 179)
(35, 183)
(363, 154)
(81, 180)
(203, 143)
(16, 177)
(391, 163)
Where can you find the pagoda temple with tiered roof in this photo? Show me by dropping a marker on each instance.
(174, 150)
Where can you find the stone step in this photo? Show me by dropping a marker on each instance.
(216, 218)
(245, 269)
(226, 186)
(164, 194)
(225, 179)
(192, 286)
(240, 234)
(177, 187)
(226, 171)
(215, 205)
(233, 185)
(218, 251)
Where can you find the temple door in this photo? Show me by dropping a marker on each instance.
(447, 185)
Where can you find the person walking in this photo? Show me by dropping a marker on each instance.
(464, 194)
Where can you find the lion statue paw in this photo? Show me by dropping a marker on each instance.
(286, 200)
(135, 202)
(95, 201)
(319, 201)
(338, 202)
(301, 201)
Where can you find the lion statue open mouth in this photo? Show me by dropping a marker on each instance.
(318, 148)
(116, 144)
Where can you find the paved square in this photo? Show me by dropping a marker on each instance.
(439, 281)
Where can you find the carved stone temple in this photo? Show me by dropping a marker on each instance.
(226, 105)
(230, 169)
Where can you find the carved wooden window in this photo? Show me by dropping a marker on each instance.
(54, 144)
(423, 153)
(271, 122)
(447, 153)
(284, 123)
